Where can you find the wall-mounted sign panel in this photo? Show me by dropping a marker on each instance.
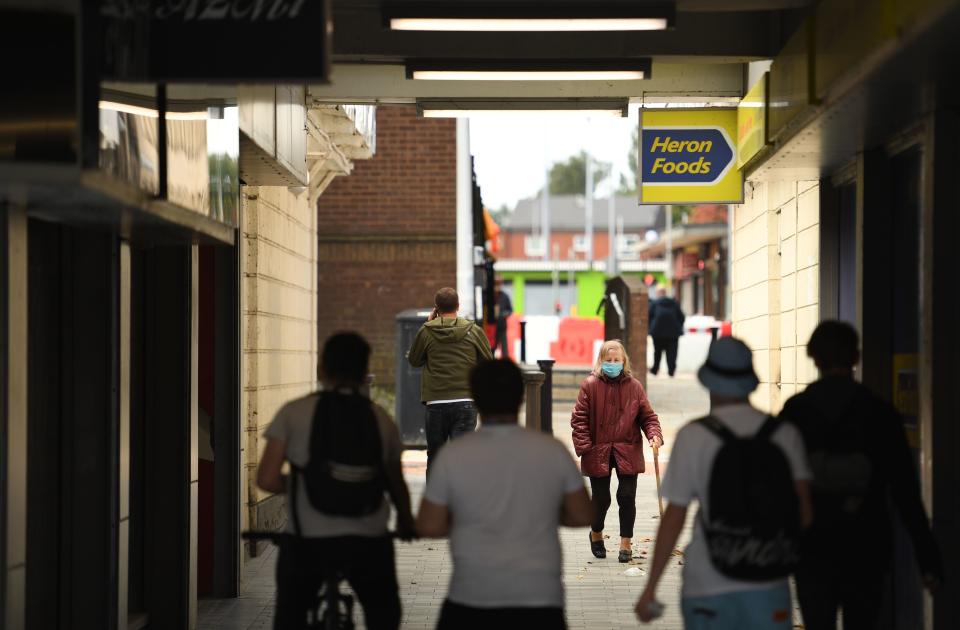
(847, 33)
(752, 122)
(211, 41)
(791, 81)
(689, 156)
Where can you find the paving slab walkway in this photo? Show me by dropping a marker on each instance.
(599, 595)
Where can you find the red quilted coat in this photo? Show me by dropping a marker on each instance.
(612, 415)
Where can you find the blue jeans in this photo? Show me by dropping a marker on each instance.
(446, 421)
(767, 609)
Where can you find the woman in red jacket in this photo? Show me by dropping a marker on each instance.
(609, 422)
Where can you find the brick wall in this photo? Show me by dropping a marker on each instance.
(387, 233)
(775, 284)
(709, 213)
(512, 245)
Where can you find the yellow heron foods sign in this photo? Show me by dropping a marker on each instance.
(689, 156)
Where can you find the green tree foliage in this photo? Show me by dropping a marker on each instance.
(628, 183)
(570, 177)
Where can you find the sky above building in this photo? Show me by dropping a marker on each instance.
(512, 153)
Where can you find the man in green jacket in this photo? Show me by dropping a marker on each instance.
(447, 347)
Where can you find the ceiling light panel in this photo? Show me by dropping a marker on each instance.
(529, 16)
(492, 108)
(528, 75)
(481, 25)
(543, 70)
(515, 113)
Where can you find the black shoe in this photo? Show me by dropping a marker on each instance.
(596, 546)
(625, 555)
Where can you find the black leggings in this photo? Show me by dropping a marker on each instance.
(626, 499)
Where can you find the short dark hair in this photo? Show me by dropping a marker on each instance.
(346, 357)
(497, 386)
(834, 344)
(447, 300)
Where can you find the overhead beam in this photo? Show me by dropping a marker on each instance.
(388, 84)
(719, 35)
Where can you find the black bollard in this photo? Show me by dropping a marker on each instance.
(546, 395)
(523, 341)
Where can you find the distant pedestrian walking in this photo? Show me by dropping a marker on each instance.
(447, 347)
(749, 474)
(500, 495)
(609, 422)
(666, 325)
(859, 456)
(504, 309)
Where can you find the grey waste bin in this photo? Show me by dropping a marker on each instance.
(409, 410)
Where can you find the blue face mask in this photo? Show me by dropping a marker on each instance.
(611, 370)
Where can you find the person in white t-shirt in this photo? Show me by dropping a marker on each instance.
(359, 547)
(709, 598)
(500, 494)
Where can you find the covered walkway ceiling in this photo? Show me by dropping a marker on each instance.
(700, 56)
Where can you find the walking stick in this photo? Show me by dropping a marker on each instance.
(656, 469)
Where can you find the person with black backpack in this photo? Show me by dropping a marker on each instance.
(750, 476)
(859, 456)
(344, 454)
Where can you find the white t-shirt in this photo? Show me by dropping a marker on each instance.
(504, 487)
(688, 478)
(293, 424)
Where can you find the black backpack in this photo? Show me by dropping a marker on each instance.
(345, 473)
(843, 470)
(753, 525)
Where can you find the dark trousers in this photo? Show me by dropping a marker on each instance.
(668, 345)
(459, 617)
(822, 590)
(501, 341)
(446, 421)
(366, 563)
(626, 500)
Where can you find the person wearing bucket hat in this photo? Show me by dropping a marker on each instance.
(728, 370)
(710, 594)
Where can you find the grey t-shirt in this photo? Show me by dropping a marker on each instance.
(293, 424)
(504, 487)
(688, 479)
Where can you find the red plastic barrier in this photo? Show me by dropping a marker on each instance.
(577, 337)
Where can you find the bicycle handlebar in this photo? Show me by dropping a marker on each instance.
(276, 537)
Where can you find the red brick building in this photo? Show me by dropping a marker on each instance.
(700, 260)
(387, 234)
(521, 240)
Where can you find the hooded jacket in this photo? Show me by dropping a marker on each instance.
(447, 349)
(611, 417)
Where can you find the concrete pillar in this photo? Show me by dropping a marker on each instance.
(532, 382)
(464, 219)
(122, 526)
(14, 436)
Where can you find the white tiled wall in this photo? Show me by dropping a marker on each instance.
(279, 308)
(776, 292)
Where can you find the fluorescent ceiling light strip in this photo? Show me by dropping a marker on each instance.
(510, 113)
(152, 113)
(527, 24)
(528, 75)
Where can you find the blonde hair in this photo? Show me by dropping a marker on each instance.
(607, 345)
